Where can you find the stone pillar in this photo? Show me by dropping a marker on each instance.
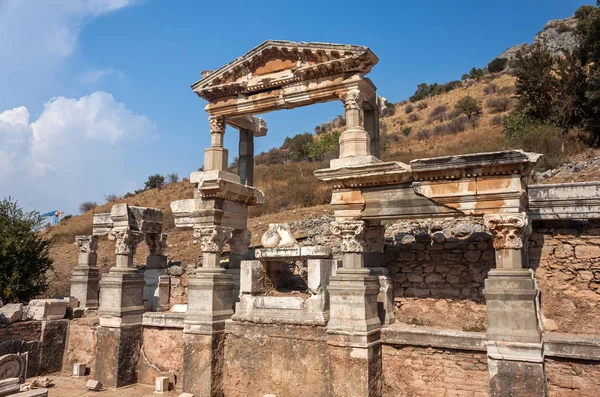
(239, 243)
(354, 141)
(156, 292)
(354, 325)
(374, 245)
(121, 307)
(514, 337)
(86, 277)
(246, 157)
(371, 117)
(215, 157)
(210, 304)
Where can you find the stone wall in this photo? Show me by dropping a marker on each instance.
(291, 361)
(572, 378)
(162, 355)
(566, 260)
(439, 268)
(428, 372)
(81, 343)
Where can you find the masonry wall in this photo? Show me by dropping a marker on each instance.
(291, 361)
(81, 343)
(428, 372)
(162, 355)
(566, 260)
(572, 378)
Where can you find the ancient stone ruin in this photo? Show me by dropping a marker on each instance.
(445, 276)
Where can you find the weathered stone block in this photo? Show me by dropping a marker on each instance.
(94, 385)
(161, 385)
(54, 337)
(46, 309)
(252, 277)
(32, 393)
(9, 386)
(118, 353)
(79, 369)
(587, 252)
(11, 313)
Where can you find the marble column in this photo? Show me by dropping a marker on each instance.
(210, 304)
(85, 278)
(354, 324)
(121, 309)
(155, 291)
(246, 157)
(215, 156)
(514, 337)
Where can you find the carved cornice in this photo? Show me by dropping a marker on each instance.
(87, 244)
(157, 243)
(126, 241)
(352, 234)
(213, 238)
(510, 231)
(217, 124)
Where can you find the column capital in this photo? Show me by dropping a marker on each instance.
(213, 238)
(510, 231)
(157, 243)
(352, 99)
(88, 244)
(126, 241)
(352, 234)
(217, 124)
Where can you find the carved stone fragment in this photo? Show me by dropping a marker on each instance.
(510, 231)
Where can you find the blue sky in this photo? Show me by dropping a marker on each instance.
(95, 94)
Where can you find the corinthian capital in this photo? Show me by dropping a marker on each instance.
(126, 242)
(157, 243)
(87, 244)
(510, 231)
(352, 99)
(217, 124)
(352, 234)
(213, 238)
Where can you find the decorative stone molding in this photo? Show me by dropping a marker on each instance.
(217, 124)
(278, 235)
(352, 234)
(87, 243)
(12, 366)
(126, 242)
(157, 243)
(510, 231)
(213, 238)
(240, 241)
(353, 99)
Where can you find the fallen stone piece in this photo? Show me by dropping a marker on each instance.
(161, 385)
(11, 313)
(32, 393)
(186, 395)
(9, 386)
(79, 369)
(42, 381)
(93, 385)
(47, 309)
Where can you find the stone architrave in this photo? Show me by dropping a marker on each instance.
(85, 278)
(514, 338)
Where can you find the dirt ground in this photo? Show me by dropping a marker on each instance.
(65, 386)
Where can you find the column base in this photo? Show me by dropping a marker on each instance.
(210, 300)
(203, 359)
(511, 305)
(118, 353)
(85, 285)
(353, 304)
(516, 369)
(121, 294)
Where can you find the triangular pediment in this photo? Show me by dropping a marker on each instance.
(276, 63)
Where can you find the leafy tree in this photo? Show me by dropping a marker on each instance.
(173, 177)
(464, 77)
(468, 106)
(86, 206)
(476, 73)
(328, 144)
(154, 181)
(497, 65)
(299, 146)
(24, 254)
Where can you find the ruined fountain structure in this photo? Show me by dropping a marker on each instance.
(290, 318)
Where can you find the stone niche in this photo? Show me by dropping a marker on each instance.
(287, 283)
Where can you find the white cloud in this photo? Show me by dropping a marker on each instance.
(92, 76)
(76, 150)
(37, 37)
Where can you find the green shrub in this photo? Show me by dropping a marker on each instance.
(325, 148)
(24, 254)
(406, 130)
(476, 74)
(497, 65)
(468, 106)
(298, 146)
(489, 89)
(408, 109)
(413, 117)
(154, 181)
(498, 105)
